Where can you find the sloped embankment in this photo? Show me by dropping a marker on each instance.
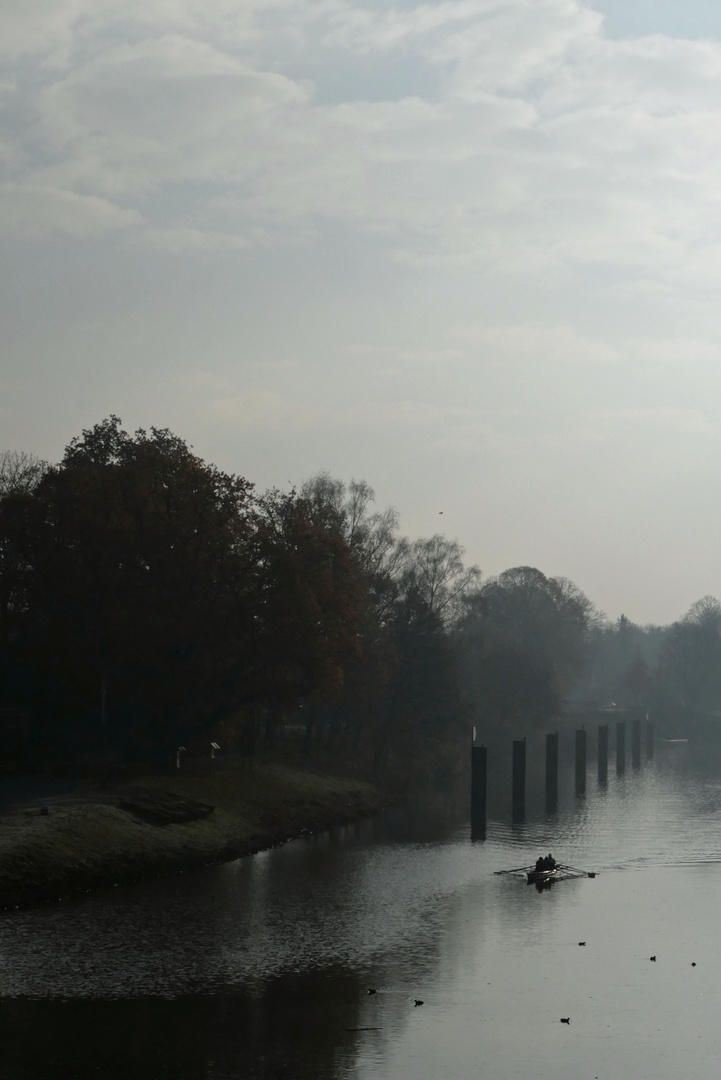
(90, 842)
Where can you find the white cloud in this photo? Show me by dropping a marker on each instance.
(58, 31)
(662, 420)
(183, 240)
(35, 211)
(168, 110)
(539, 344)
(516, 44)
(548, 146)
(673, 351)
(404, 357)
(355, 27)
(264, 410)
(40, 26)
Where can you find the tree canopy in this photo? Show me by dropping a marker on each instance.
(149, 599)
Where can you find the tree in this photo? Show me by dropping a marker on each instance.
(20, 475)
(138, 552)
(307, 605)
(690, 660)
(522, 644)
(400, 694)
(435, 569)
(371, 535)
(423, 715)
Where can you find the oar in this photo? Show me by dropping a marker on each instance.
(515, 870)
(575, 869)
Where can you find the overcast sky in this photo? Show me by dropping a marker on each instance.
(469, 251)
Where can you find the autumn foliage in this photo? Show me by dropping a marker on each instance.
(148, 599)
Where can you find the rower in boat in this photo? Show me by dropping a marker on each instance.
(547, 870)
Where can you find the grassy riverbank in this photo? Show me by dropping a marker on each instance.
(86, 841)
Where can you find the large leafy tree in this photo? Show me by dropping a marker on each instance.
(523, 643)
(308, 604)
(19, 477)
(139, 553)
(689, 668)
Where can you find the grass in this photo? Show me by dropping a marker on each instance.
(87, 842)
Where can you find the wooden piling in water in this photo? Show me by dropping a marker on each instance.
(649, 740)
(580, 761)
(518, 797)
(602, 753)
(479, 775)
(620, 746)
(636, 744)
(551, 771)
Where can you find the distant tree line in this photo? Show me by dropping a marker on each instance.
(148, 599)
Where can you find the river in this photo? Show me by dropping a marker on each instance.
(261, 968)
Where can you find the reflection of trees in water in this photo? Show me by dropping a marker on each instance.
(147, 1039)
(294, 1026)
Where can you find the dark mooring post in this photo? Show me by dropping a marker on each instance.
(580, 761)
(649, 740)
(479, 773)
(602, 753)
(519, 779)
(552, 771)
(636, 744)
(620, 746)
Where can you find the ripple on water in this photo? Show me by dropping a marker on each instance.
(271, 956)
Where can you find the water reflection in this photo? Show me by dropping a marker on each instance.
(261, 968)
(300, 1026)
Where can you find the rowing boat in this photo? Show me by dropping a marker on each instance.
(545, 877)
(560, 872)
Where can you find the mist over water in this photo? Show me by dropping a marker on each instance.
(260, 968)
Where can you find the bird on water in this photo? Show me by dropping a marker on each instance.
(416, 1003)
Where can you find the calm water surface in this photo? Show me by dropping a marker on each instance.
(260, 968)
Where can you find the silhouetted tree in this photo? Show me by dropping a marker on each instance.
(137, 549)
(690, 661)
(522, 644)
(307, 605)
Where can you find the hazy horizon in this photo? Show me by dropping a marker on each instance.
(468, 251)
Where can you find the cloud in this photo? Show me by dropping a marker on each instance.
(661, 420)
(359, 28)
(182, 240)
(36, 211)
(538, 344)
(263, 409)
(247, 409)
(166, 111)
(41, 27)
(544, 147)
(58, 31)
(404, 357)
(673, 351)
